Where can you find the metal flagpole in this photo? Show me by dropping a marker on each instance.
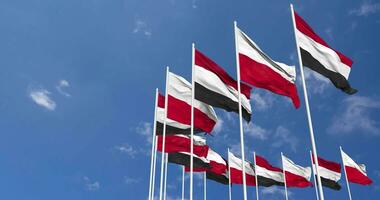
(164, 134)
(283, 171)
(314, 148)
(257, 182)
(183, 182)
(204, 186)
(192, 121)
(345, 174)
(229, 175)
(166, 174)
(154, 164)
(152, 159)
(315, 181)
(240, 113)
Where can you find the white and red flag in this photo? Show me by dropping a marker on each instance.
(259, 70)
(182, 143)
(236, 170)
(215, 87)
(319, 56)
(296, 175)
(356, 173)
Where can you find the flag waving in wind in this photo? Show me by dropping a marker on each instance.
(259, 70)
(295, 175)
(319, 56)
(215, 87)
(355, 173)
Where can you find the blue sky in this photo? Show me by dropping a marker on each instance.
(77, 88)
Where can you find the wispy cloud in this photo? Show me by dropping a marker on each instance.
(366, 8)
(127, 149)
(145, 129)
(316, 83)
(256, 131)
(130, 180)
(329, 33)
(218, 126)
(62, 85)
(274, 191)
(42, 98)
(262, 100)
(141, 27)
(283, 137)
(91, 185)
(355, 114)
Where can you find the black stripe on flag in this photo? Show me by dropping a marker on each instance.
(337, 79)
(218, 178)
(184, 159)
(217, 100)
(330, 183)
(267, 182)
(171, 130)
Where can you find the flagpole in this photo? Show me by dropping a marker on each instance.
(166, 174)
(283, 171)
(204, 186)
(192, 120)
(314, 148)
(345, 174)
(229, 175)
(152, 159)
(257, 182)
(183, 182)
(154, 151)
(164, 134)
(315, 181)
(240, 114)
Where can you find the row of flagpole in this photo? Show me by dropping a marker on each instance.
(163, 174)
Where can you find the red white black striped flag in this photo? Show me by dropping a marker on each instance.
(319, 56)
(330, 173)
(236, 171)
(215, 87)
(268, 175)
(259, 70)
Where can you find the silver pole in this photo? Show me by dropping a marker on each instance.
(257, 182)
(283, 171)
(152, 159)
(315, 181)
(314, 147)
(345, 174)
(240, 114)
(192, 121)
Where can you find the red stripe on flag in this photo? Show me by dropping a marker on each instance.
(260, 161)
(330, 165)
(237, 178)
(175, 144)
(355, 176)
(293, 180)
(306, 29)
(262, 76)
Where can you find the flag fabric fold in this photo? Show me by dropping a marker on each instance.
(268, 175)
(259, 70)
(319, 56)
(236, 171)
(182, 143)
(330, 173)
(215, 87)
(355, 173)
(295, 175)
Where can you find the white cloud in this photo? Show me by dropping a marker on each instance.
(62, 84)
(129, 180)
(366, 8)
(218, 126)
(41, 97)
(127, 149)
(145, 129)
(141, 27)
(91, 185)
(283, 137)
(356, 116)
(262, 101)
(274, 191)
(256, 131)
(316, 83)
(194, 4)
(329, 33)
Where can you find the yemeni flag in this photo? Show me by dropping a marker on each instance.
(268, 175)
(236, 171)
(259, 70)
(183, 158)
(172, 126)
(215, 87)
(330, 173)
(179, 107)
(182, 143)
(295, 175)
(218, 168)
(355, 173)
(319, 56)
